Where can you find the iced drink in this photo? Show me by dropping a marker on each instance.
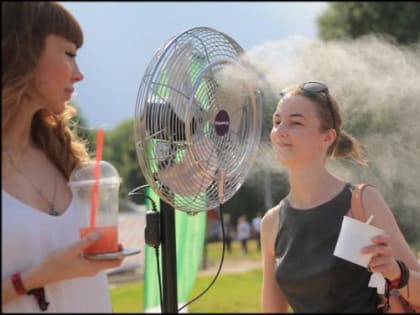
(108, 242)
(97, 201)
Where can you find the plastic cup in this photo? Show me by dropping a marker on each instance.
(354, 235)
(104, 217)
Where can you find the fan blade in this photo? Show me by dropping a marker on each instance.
(189, 177)
(163, 123)
(178, 67)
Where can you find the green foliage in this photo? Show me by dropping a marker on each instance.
(407, 217)
(379, 119)
(399, 20)
(79, 126)
(119, 150)
(360, 122)
(269, 100)
(249, 199)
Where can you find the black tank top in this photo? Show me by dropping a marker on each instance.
(311, 277)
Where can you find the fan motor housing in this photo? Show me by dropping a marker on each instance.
(221, 122)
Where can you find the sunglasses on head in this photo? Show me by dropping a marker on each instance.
(314, 88)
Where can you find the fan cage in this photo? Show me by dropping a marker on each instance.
(188, 157)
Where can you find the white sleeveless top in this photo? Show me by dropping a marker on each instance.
(28, 235)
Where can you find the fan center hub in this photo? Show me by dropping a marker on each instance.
(221, 122)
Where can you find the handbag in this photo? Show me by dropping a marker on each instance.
(390, 302)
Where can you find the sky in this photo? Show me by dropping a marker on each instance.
(122, 37)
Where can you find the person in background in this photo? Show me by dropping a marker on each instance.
(243, 232)
(299, 234)
(42, 264)
(228, 231)
(256, 228)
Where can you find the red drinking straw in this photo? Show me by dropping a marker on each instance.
(97, 174)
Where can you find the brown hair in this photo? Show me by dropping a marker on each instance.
(345, 144)
(25, 25)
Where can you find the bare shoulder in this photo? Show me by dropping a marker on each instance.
(269, 224)
(374, 204)
(370, 193)
(271, 217)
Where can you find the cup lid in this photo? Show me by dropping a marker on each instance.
(85, 174)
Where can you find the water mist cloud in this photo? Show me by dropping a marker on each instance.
(375, 82)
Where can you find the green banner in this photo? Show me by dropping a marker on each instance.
(190, 237)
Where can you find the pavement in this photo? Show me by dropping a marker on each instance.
(131, 227)
(233, 266)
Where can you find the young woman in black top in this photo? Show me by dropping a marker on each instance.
(299, 234)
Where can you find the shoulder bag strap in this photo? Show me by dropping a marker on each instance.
(356, 202)
(394, 303)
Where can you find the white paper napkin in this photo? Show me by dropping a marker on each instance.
(377, 281)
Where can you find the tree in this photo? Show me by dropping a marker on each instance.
(398, 20)
(80, 127)
(120, 151)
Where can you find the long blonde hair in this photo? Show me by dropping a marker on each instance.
(25, 25)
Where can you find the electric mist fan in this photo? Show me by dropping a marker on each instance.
(197, 124)
(197, 120)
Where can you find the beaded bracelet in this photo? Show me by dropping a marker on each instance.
(394, 283)
(38, 293)
(403, 278)
(17, 284)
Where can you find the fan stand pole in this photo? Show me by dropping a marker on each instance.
(170, 293)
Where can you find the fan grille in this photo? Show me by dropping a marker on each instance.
(197, 120)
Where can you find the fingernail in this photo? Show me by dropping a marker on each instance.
(95, 235)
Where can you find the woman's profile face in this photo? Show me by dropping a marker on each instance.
(56, 73)
(295, 136)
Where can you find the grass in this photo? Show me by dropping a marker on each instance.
(128, 298)
(231, 293)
